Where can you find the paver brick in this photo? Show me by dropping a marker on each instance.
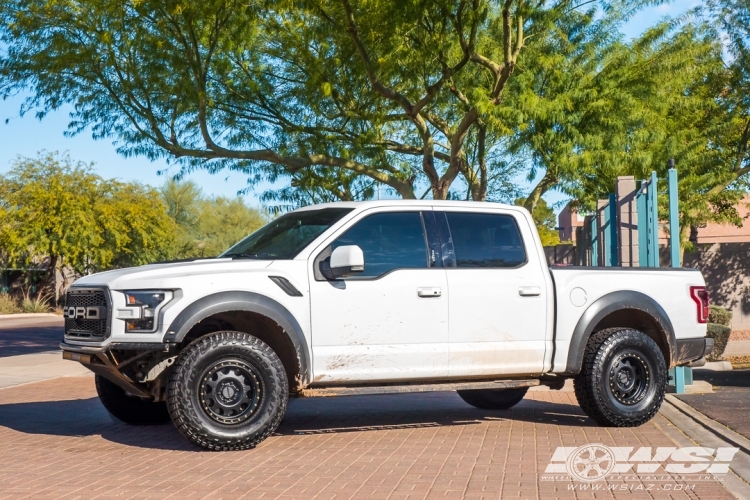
(59, 442)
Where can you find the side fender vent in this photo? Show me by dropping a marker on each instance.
(285, 285)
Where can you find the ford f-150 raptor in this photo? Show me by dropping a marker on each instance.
(377, 297)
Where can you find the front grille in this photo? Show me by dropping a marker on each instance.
(83, 328)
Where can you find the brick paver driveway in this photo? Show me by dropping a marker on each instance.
(56, 441)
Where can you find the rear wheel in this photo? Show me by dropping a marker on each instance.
(127, 408)
(227, 391)
(493, 399)
(623, 378)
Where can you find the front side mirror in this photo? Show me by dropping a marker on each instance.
(346, 260)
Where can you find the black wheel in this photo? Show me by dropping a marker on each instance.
(623, 378)
(227, 391)
(493, 399)
(127, 408)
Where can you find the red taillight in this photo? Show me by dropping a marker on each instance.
(700, 297)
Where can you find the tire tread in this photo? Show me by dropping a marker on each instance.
(183, 414)
(587, 386)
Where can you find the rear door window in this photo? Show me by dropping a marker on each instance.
(486, 240)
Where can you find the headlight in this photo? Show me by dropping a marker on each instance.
(144, 306)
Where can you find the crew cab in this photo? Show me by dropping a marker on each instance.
(375, 297)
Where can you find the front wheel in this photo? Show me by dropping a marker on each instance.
(493, 399)
(623, 378)
(227, 391)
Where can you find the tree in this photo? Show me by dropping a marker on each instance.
(732, 18)
(545, 221)
(320, 92)
(207, 226)
(60, 212)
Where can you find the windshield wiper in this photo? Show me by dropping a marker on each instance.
(243, 255)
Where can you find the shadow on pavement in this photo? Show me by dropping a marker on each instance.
(363, 413)
(732, 378)
(30, 340)
(87, 417)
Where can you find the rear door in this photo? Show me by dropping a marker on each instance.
(499, 294)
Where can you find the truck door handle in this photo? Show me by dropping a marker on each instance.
(529, 291)
(429, 291)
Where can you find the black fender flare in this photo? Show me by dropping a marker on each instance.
(243, 301)
(606, 305)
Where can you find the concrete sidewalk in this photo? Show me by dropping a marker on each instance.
(16, 370)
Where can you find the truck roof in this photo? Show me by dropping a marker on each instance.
(392, 203)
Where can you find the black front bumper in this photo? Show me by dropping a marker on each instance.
(688, 350)
(102, 361)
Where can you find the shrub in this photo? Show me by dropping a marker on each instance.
(8, 305)
(39, 304)
(720, 334)
(719, 315)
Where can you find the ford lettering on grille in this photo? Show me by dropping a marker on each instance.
(92, 312)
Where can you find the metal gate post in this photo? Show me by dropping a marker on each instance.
(641, 205)
(612, 236)
(674, 217)
(653, 222)
(594, 242)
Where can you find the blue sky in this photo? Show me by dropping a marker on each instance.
(25, 136)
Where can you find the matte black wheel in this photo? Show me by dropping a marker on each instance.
(127, 408)
(623, 378)
(493, 399)
(227, 391)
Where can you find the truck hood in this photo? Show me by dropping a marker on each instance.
(152, 275)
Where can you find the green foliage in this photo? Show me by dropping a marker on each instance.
(545, 220)
(720, 334)
(719, 315)
(58, 211)
(8, 305)
(331, 96)
(207, 226)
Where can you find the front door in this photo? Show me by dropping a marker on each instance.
(390, 322)
(498, 295)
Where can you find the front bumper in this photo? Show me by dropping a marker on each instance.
(103, 362)
(688, 350)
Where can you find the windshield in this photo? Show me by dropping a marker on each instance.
(286, 236)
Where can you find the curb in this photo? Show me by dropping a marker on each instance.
(740, 366)
(30, 315)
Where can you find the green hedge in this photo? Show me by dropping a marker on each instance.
(720, 334)
(719, 315)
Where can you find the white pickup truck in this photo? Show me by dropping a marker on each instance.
(378, 297)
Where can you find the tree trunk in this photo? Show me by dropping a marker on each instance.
(52, 276)
(544, 185)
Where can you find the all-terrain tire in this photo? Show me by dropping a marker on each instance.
(493, 399)
(227, 391)
(623, 378)
(129, 409)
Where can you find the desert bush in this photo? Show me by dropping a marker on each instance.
(720, 334)
(38, 304)
(8, 305)
(719, 315)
